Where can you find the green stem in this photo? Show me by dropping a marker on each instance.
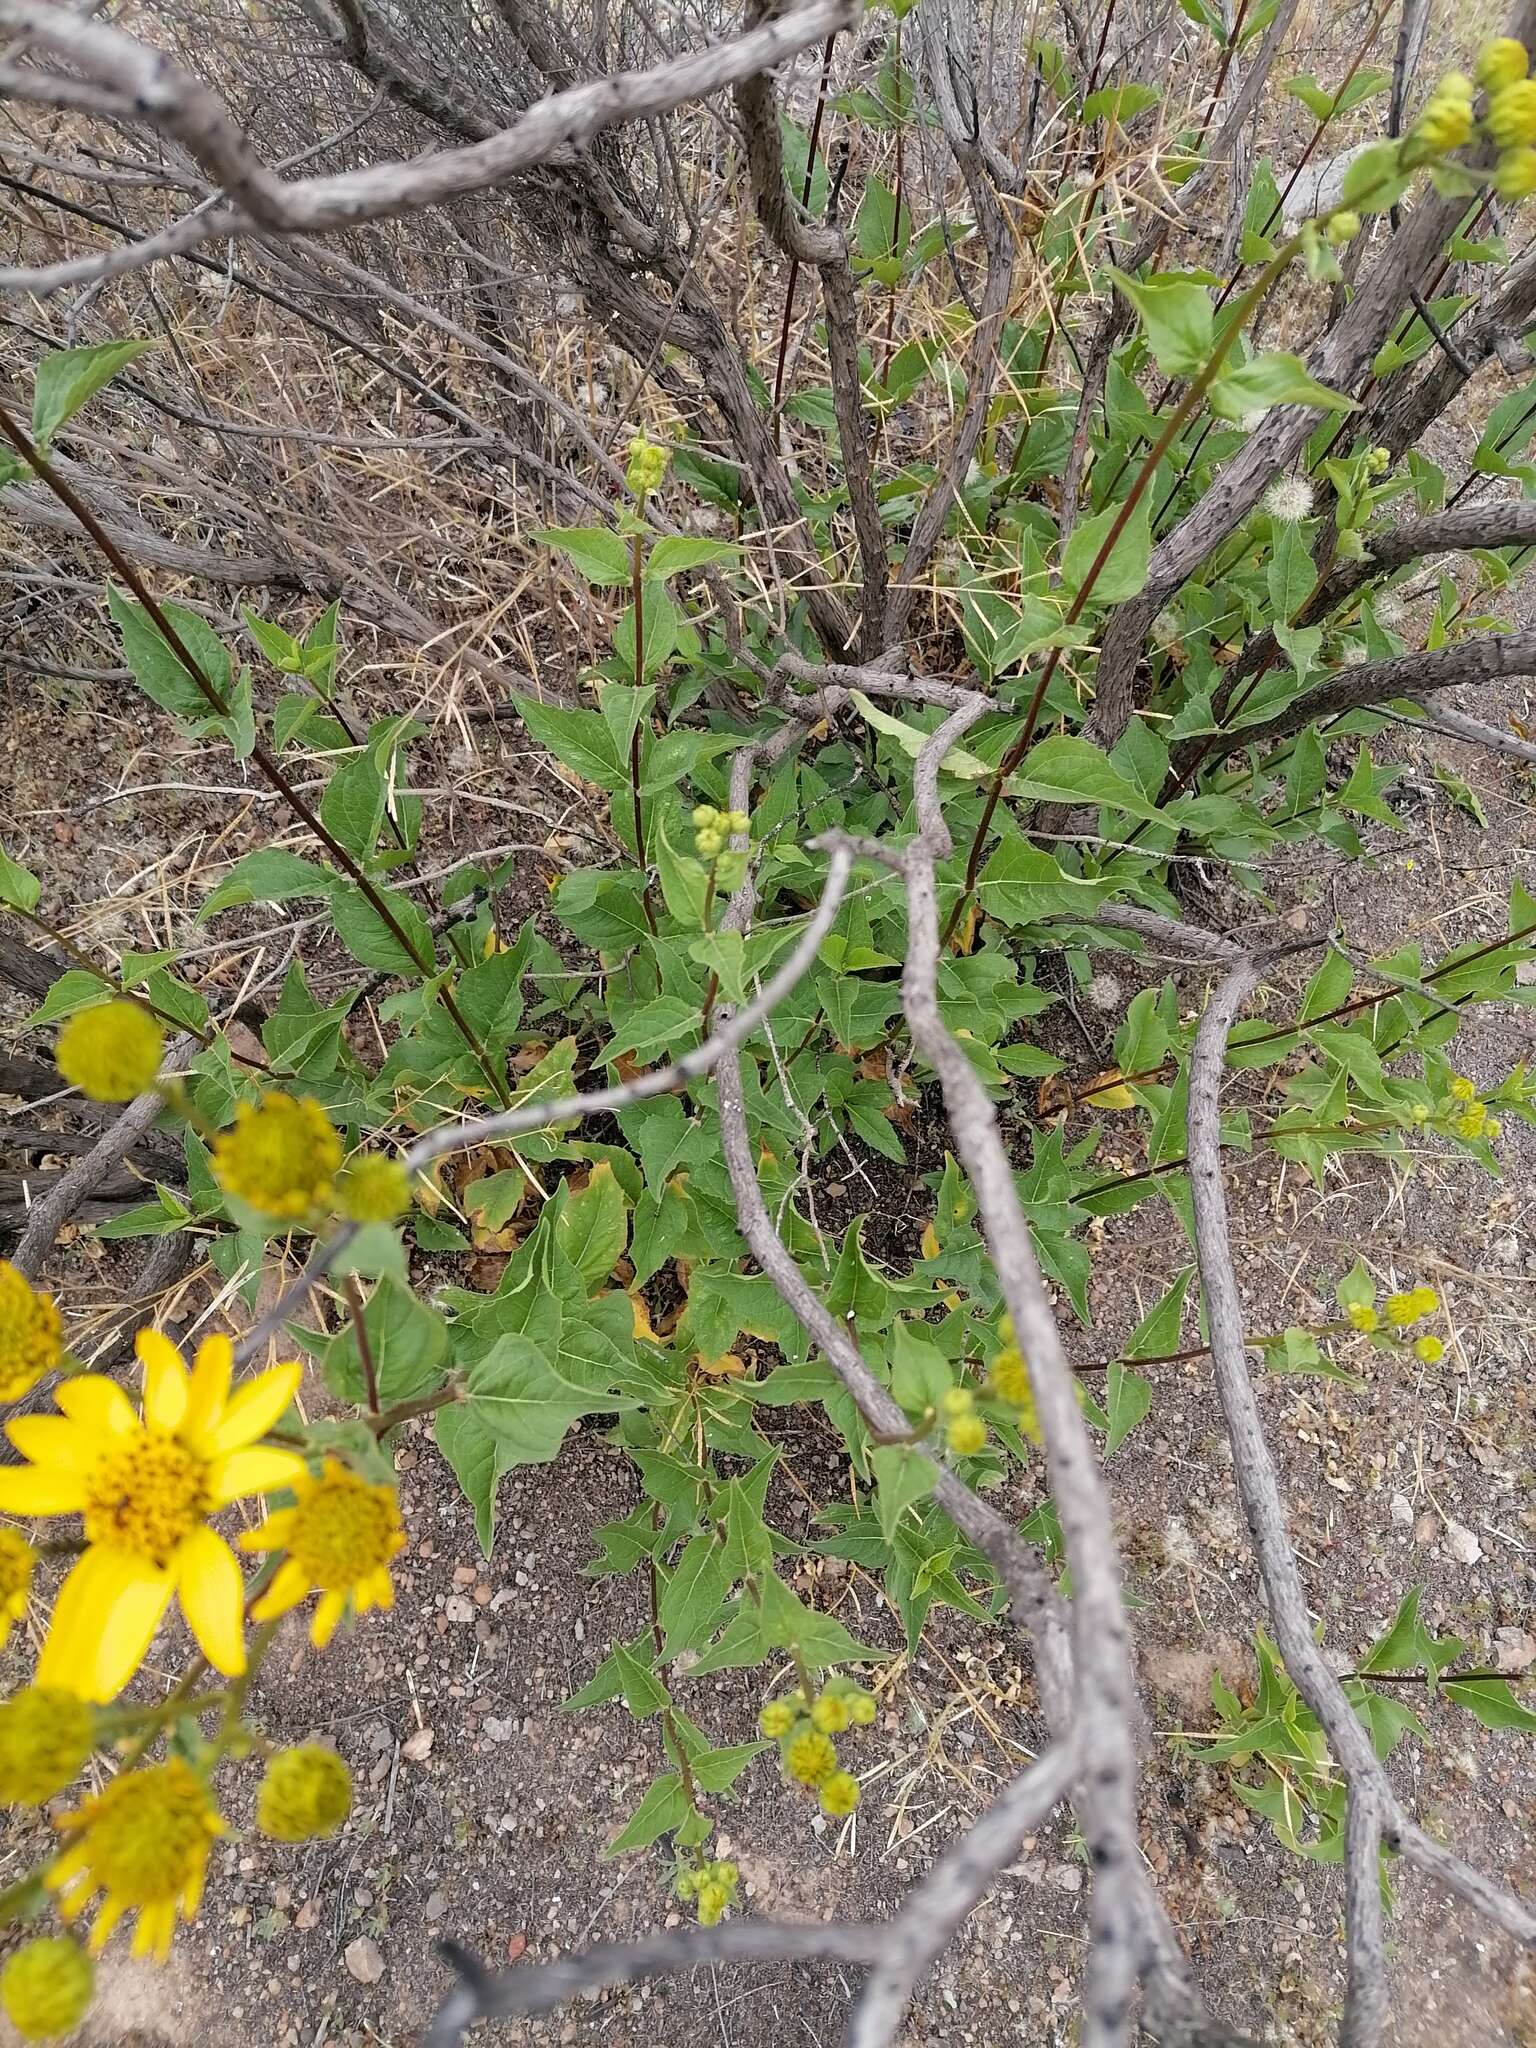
(637, 604)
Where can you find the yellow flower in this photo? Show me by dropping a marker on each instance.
(647, 466)
(1363, 1316)
(46, 1987)
(144, 1841)
(1514, 175)
(1463, 1090)
(810, 1759)
(18, 1561)
(45, 1736)
(966, 1435)
(831, 1713)
(1471, 1125)
(306, 1793)
(862, 1708)
(1425, 1301)
(111, 1052)
(777, 1718)
(340, 1536)
(1402, 1309)
(840, 1794)
(145, 1488)
(1501, 62)
(1512, 114)
(374, 1189)
(31, 1335)
(1429, 1350)
(282, 1156)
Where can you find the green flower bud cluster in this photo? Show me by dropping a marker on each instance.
(1390, 1323)
(804, 1728)
(1509, 118)
(647, 466)
(710, 1887)
(712, 828)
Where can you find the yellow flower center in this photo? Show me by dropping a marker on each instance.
(147, 1497)
(344, 1530)
(146, 1836)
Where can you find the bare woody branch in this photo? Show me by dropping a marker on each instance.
(129, 81)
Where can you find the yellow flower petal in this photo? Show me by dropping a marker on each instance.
(112, 1910)
(40, 1490)
(327, 1614)
(55, 1441)
(103, 1624)
(254, 1409)
(165, 1381)
(271, 1534)
(213, 1599)
(257, 1470)
(287, 1589)
(96, 1402)
(211, 1373)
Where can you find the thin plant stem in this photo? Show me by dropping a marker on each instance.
(354, 1299)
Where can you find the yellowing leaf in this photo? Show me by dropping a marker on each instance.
(726, 1366)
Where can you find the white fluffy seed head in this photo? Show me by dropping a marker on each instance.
(1353, 656)
(1390, 611)
(1104, 992)
(1288, 499)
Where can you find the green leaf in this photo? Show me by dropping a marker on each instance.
(644, 1693)
(1126, 1400)
(666, 1024)
(596, 552)
(662, 624)
(352, 808)
(1065, 769)
(19, 887)
(1408, 1646)
(369, 939)
(690, 1601)
(716, 1770)
(74, 990)
(1021, 885)
(1375, 182)
(280, 647)
(593, 1228)
(159, 672)
(676, 552)
(580, 739)
(903, 1476)
(1125, 570)
(1491, 1700)
(527, 1401)
(1290, 575)
(684, 879)
(1158, 1333)
(1176, 317)
(67, 378)
(270, 875)
(1278, 378)
(912, 740)
(406, 1338)
(1120, 102)
(664, 1807)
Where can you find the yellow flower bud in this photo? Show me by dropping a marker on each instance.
(1514, 175)
(862, 1709)
(966, 1436)
(374, 1189)
(1401, 1310)
(647, 466)
(831, 1714)
(777, 1718)
(738, 821)
(1342, 227)
(811, 1758)
(281, 1156)
(705, 816)
(1446, 122)
(46, 1987)
(31, 1334)
(1425, 1301)
(1463, 1090)
(1511, 116)
(45, 1737)
(955, 1402)
(110, 1053)
(1501, 62)
(1363, 1316)
(1429, 1349)
(306, 1793)
(840, 1794)
(708, 845)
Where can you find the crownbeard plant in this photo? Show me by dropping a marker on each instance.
(629, 1296)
